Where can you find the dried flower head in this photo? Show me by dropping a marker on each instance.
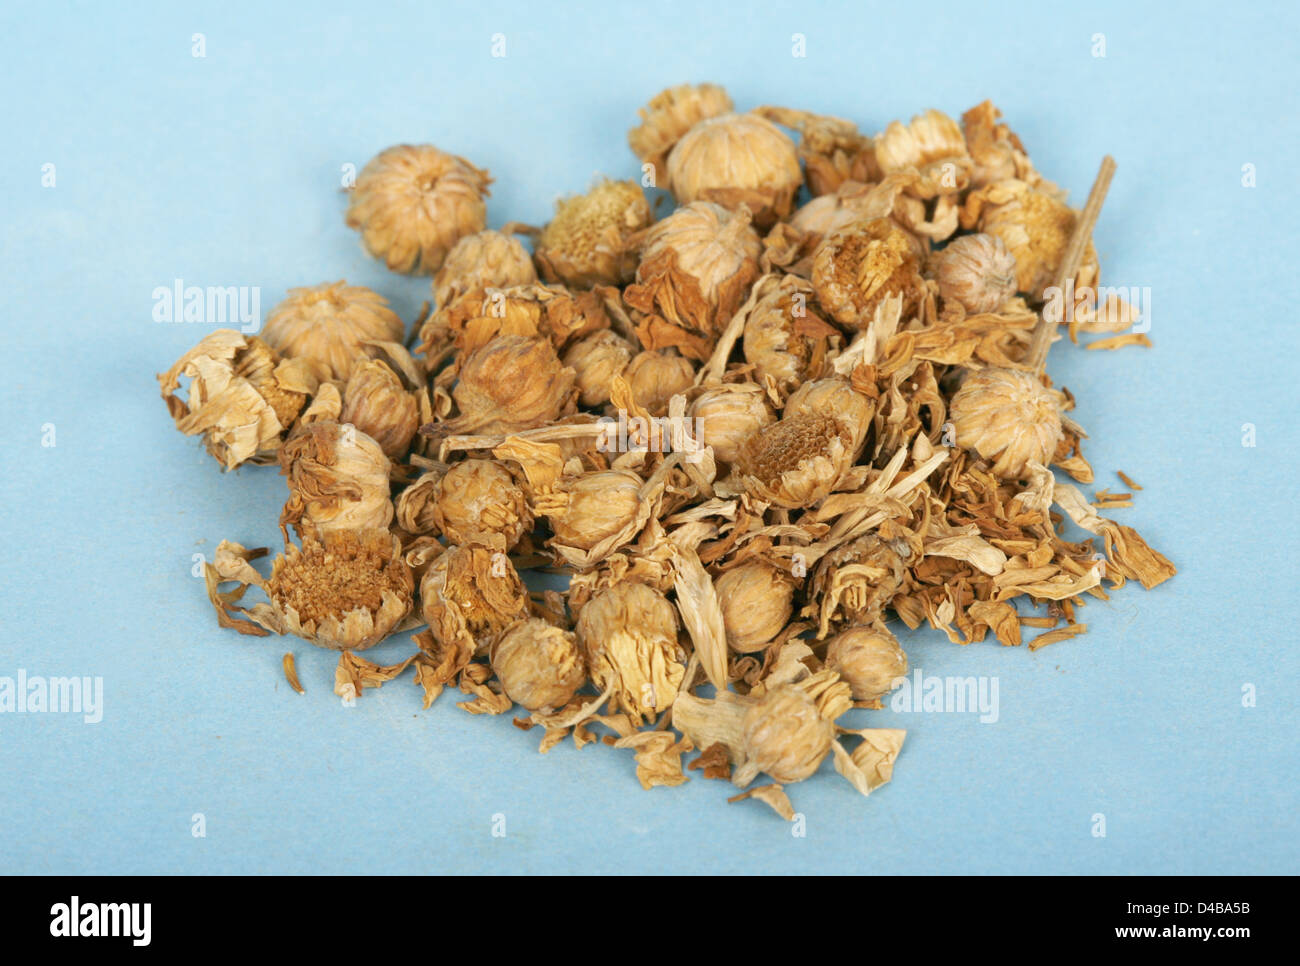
(853, 584)
(590, 239)
(870, 659)
(1035, 225)
(668, 116)
(697, 266)
(757, 600)
(478, 502)
(932, 147)
(377, 402)
(412, 203)
(512, 383)
(596, 359)
(485, 260)
(786, 336)
(655, 377)
(330, 324)
(734, 160)
(978, 272)
(344, 590)
(796, 461)
(832, 149)
(994, 148)
(242, 396)
(414, 506)
(1008, 417)
(834, 397)
(629, 635)
(338, 480)
(858, 267)
(469, 595)
(727, 415)
(539, 665)
(595, 507)
(785, 735)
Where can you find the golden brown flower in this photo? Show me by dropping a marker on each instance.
(539, 665)
(330, 324)
(414, 506)
(512, 383)
(655, 377)
(870, 659)
(734, 160)
(834, 397)
(1035, 225)
(478, 502)
(994, 148)
(629, 635)
(596, 359)
(727, 415)
(1008, 417)
(596, 506)
(242, 397)
(978, 272)
(796, 461)
(668, 116)
(485, 260)
(338, 480)
(785, 735)
(858, 267)
(932, 147)
(589, 241)
(785, 333)
(469, 595)
(377, 402)
(856, 582)
(344, 590)
(412, 203)
(697, 266)
(757, 600)
(831, 148)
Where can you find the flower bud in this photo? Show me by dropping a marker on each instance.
(757, 600)
(870, 659)
(629, 635)
(977, 272)
(668, 116)
(1009, 418)
(330, 324)
(376, 402)
(596, 360)
(860, 266)
(540, 666)
(734, 160)
(512, 383)
(727, 415)
(484, 260)
(478, 502)
(338, 480)
(784, 734)
(655, 377)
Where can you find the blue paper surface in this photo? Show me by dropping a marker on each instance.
(1170, 726)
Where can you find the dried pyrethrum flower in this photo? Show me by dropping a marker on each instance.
(379, 404)
(727, 415)
(512, 383)
(485, 260)
(540, 666)
(242, 396)
(860, 266)
(629, 636)
(344, 590)
(331, 325)
(412, 203)
(338, 480)
(596, 359)
(590, 239)
(870, 659)
(797, 460)
(757, 600)
(470, 595)
(749, 455)
(734, 160)
(1008, 417)
(668, 116)
(785, 736)
(655, 377)
(1035, 225)
(696, 269)
(978, 272)
(478, 502)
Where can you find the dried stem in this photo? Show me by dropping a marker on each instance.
(1069, 268)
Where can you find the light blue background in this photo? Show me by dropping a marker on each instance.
(225, 171)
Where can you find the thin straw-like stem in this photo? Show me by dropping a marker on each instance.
(1069, 267)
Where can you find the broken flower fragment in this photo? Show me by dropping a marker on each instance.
(242, 396)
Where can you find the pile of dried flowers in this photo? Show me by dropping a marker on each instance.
(749, 432)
